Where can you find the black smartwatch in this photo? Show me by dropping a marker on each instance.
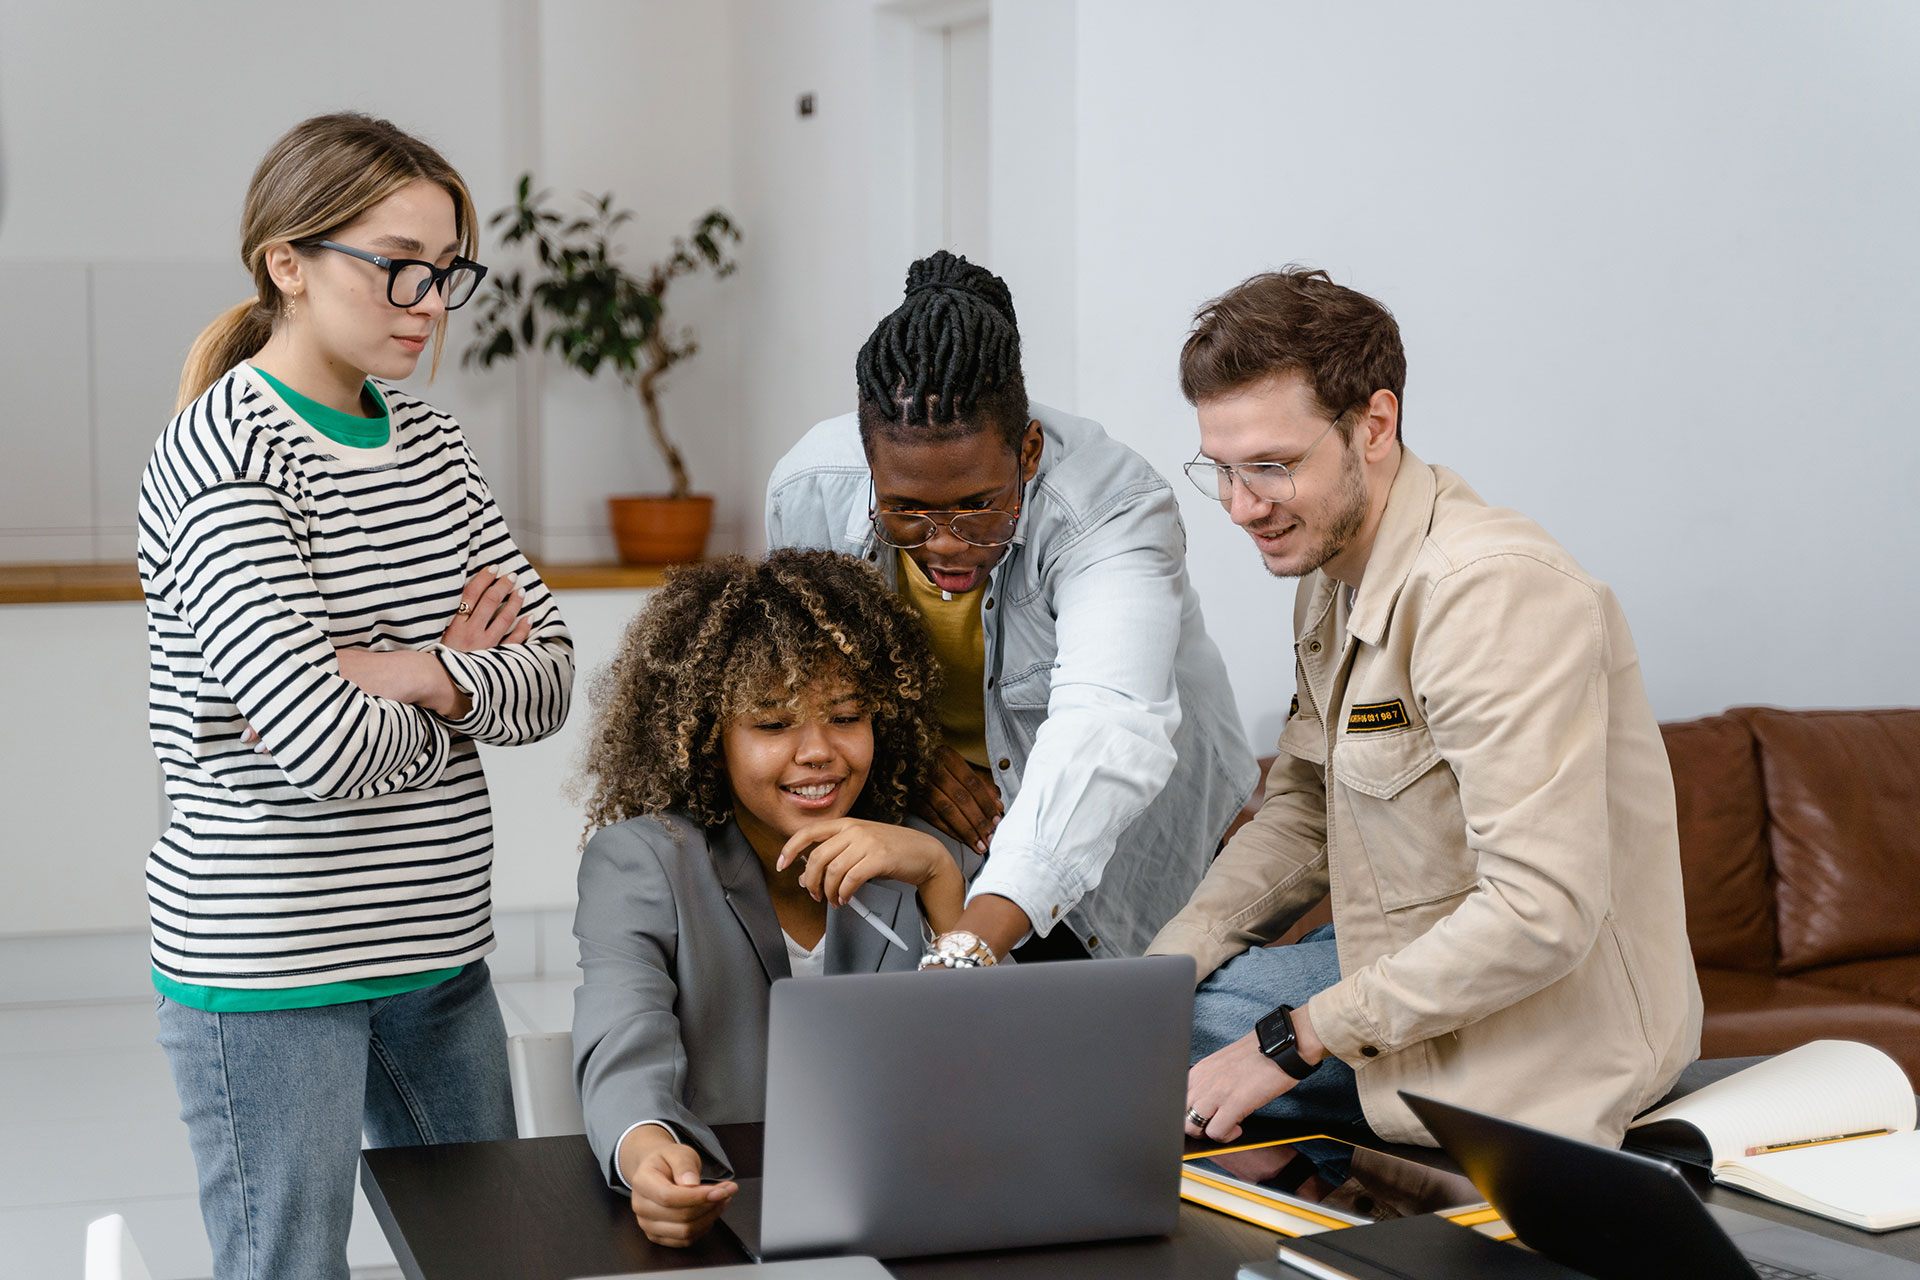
(1277, 1041)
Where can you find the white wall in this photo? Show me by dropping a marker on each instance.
(816, 200)
(634, 99)
(1654, 264)
(128, 133)
(1033, 105)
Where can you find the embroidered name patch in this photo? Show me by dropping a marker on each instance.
(1377, 716)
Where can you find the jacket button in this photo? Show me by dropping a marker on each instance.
(1313, 646)
(989, 602)
(1005, 763)
(873, 555)
(1368, 1051)
(1092, 942)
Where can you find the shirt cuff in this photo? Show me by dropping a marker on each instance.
(455, 663)
(619, 1176)
(1027, 879)
(1344, 1028)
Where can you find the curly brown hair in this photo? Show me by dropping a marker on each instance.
(732, 635)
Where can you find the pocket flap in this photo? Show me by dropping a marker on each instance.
(1383, 767)
(1305, 738)
(1030, 688)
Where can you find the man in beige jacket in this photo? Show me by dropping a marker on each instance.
(1470, 768)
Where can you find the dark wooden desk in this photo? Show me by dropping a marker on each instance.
(538, 1209)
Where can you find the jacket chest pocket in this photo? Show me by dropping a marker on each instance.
(1022, 706)
(1028, 689)
(1405, 808)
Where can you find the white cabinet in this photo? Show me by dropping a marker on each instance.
(81, 789)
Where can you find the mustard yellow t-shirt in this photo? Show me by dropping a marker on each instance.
(959, 641)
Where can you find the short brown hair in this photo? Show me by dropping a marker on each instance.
(732, 634)
(1343, 343)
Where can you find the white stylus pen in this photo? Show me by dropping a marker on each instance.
(860, 909)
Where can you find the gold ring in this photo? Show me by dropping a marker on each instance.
(466, 607)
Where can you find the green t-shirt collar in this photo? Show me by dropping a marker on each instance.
(341, 428)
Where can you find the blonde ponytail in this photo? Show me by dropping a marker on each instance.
(235, 334)
(323, 174)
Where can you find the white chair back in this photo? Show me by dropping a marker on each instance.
(111, 1252)
(544, 1102)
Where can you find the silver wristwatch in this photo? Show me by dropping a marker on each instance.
(958, 949)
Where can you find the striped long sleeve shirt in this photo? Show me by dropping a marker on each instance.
(360, 845)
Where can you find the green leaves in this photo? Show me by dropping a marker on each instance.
(583, 304)
(586, 308)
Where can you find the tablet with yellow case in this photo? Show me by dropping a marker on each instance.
(1300, 1186)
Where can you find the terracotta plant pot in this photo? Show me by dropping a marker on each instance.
(660, 530)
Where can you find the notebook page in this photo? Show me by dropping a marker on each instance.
(1818, 1090)
(1869, 1177)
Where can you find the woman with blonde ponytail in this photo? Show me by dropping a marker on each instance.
(338, 617)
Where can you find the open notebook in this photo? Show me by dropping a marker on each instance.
(1828, 1128)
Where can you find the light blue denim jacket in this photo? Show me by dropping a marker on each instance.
(1110, 723)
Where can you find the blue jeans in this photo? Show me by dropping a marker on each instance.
(1246, 988)
(275, 1102)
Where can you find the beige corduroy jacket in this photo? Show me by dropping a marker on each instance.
(1473, 771)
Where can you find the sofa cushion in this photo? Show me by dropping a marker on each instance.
(1892, 978)
(1749, 1013)
(1842, 791)
(1723, 842)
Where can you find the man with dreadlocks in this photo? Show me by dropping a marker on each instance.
(1090, 741)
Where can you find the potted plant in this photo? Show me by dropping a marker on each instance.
(580, 303)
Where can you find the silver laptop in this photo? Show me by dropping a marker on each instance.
(918, 1113)
(812, 1269)
(1621, 1216)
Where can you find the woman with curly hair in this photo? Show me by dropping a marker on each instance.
(758, 739)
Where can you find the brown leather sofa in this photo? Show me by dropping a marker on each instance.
(1800, 853)
(1800, 860)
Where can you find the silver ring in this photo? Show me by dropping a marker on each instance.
(1199, 1121)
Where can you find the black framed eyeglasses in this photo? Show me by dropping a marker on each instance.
(1267, 481)
(408, 279)
(979, 526)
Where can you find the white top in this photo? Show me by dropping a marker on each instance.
(805, 963)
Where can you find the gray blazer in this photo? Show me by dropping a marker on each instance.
(679, 946)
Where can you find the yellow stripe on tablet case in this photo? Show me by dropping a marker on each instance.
(1482, 1218)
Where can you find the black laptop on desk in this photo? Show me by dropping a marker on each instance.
(1620, 1216)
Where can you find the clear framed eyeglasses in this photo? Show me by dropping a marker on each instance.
(979, 527)
(1267, 481)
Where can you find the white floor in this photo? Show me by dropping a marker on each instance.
(91, 1127)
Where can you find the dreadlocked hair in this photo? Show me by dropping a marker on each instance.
(946, 363)
(732, 636)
